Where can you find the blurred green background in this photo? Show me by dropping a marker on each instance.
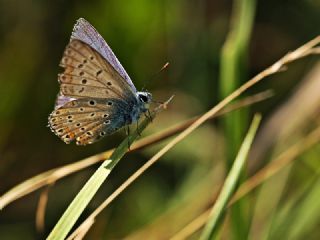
(144, 35)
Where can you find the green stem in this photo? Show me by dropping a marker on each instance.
(229, 186)
(233, 73)
(74, 210)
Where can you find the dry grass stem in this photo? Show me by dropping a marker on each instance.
(41, 209)
(49, 177)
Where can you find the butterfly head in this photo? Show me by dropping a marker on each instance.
(145, 98)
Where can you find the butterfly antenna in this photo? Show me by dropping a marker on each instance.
(154, 75)
(157, 102)
(166, 65)
(164, 104)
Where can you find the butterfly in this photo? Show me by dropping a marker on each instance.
(97, 96)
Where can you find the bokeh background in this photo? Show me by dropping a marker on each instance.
(145, 35)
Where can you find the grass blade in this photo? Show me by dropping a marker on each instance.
(230, 183)
(85, 195)
(233, 71)
(306, 214)
(286, 216)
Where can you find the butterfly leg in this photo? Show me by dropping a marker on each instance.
(127, 128)
(147, 114)
(138, 130)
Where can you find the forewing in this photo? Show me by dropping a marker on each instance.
(85, 32)
(87, 74)
(87, 121)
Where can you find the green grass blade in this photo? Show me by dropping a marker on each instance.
(230, 182)
(306, 214)
(234, 67)
(85, 195)
(287, 214)
(233, 72)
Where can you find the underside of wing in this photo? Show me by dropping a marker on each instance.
(87, 74)
(88, 121)
(85, 32)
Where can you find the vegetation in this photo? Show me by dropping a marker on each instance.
(187, 176)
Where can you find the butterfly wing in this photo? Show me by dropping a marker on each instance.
(87, 121)
(85, 32)
(94, 99)
(87, 74)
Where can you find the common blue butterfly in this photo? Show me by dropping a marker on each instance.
(97, 96)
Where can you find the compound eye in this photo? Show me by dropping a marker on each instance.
(143, 98)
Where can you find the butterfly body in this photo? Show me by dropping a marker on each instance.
(96, 97)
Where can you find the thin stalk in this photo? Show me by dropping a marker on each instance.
(233, 73)
(229, 186)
